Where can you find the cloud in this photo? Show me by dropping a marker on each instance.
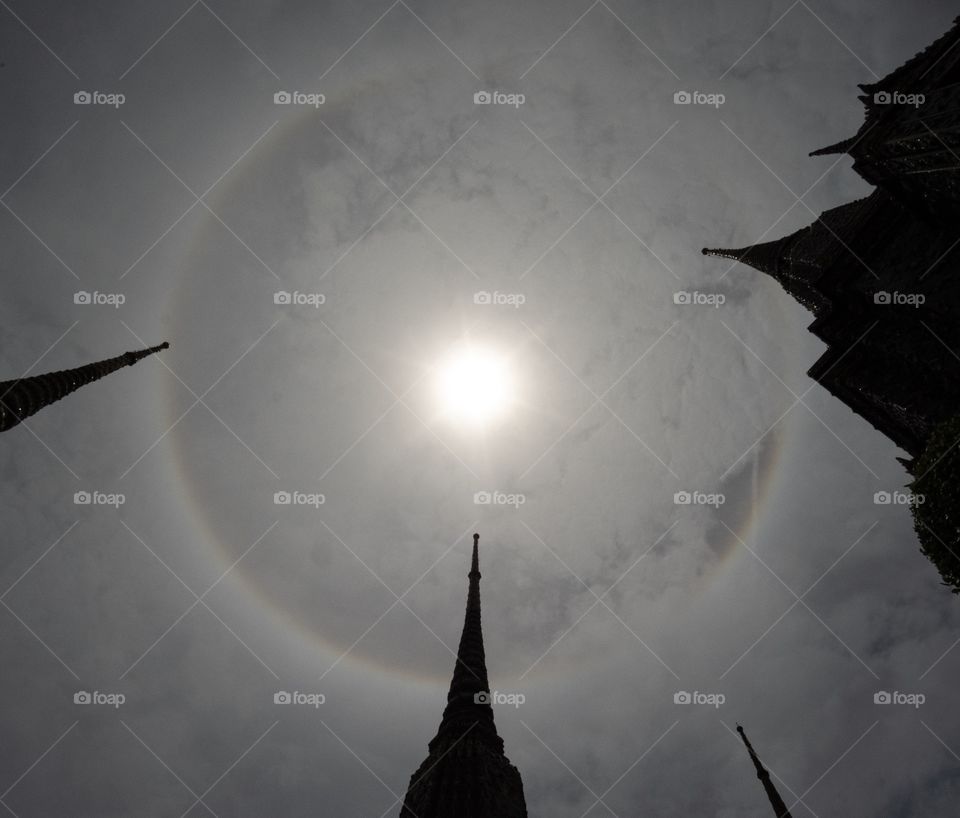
(316, 400)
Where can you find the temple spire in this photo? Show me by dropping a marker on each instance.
(468, 700)
(796, 261)
(768, 257)
(843, 146)
(466, 773)
(779, 808)
(22, 397)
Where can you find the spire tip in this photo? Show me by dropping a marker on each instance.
(475, 561)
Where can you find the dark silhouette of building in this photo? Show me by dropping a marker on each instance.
(879, 274)
(779, 808)
(466, 774)
(23, 397)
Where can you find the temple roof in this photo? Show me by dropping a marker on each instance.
(926, 70)
(933, 61)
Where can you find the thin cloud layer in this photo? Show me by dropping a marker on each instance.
(673, 519)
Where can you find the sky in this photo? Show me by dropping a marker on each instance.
(556, 221)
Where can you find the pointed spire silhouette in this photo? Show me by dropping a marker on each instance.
(466, 773)
(22, 397)
(843, 146)
(779, 808)
(798, 261)
(768, 257)
(468, 698)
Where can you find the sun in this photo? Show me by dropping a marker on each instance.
(474, 385)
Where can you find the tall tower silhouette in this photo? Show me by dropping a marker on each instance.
(466, 774)
(779, 808)
(23, 397)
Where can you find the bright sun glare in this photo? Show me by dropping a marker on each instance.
(474, 385)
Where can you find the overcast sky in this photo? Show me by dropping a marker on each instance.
(583, 190)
